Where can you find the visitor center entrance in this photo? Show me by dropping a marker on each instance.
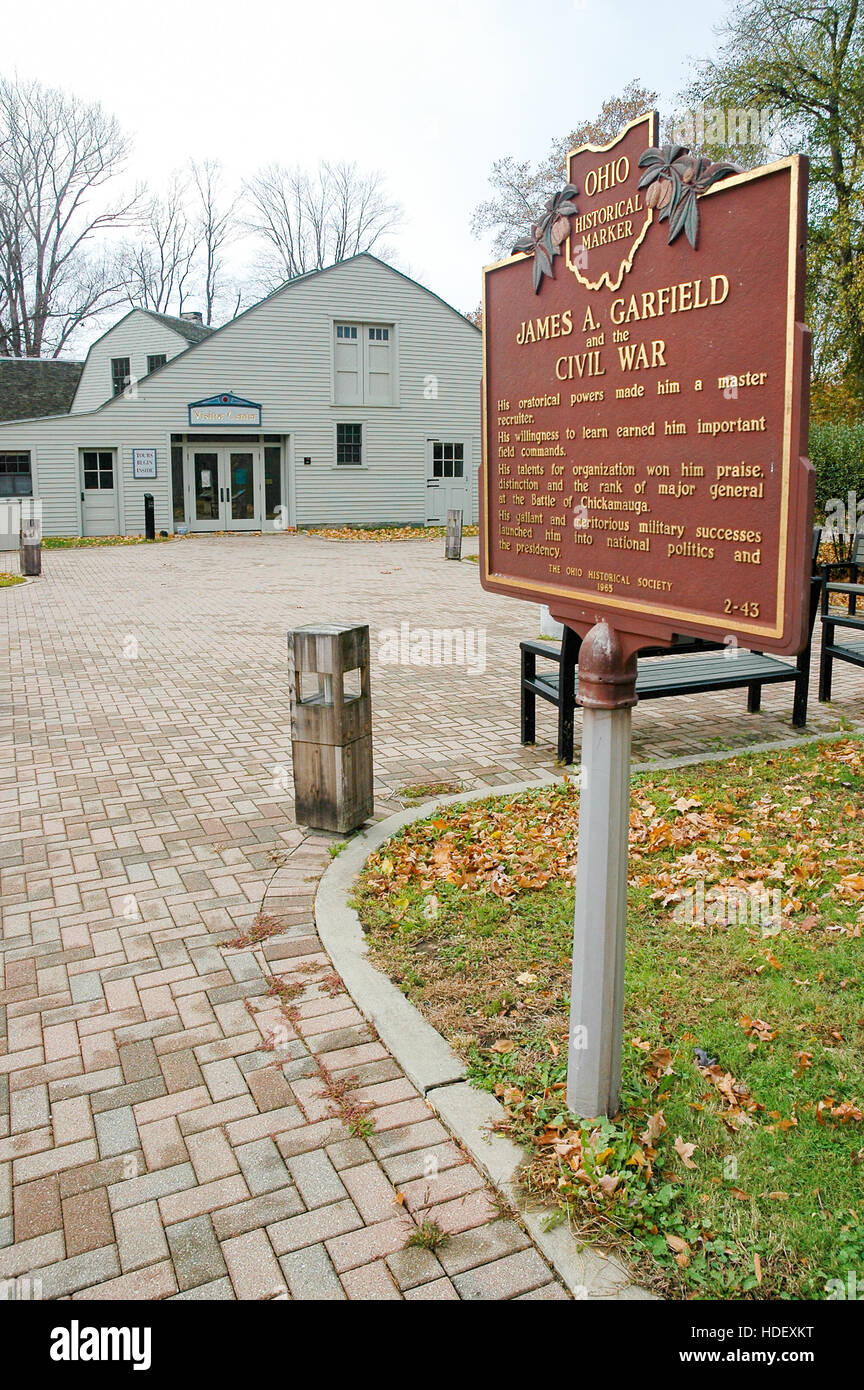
(233, 485)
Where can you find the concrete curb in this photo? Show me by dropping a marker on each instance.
(420, 1050)
(431, 1063)
(470, 1114)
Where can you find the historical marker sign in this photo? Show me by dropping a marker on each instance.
(645, 400)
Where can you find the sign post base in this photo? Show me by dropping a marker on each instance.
(607, 692)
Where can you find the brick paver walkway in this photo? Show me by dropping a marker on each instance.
(178, 1117)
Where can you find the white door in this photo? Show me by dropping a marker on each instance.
(241, 473)
(99, 514)
(448, 482)
(227, 488)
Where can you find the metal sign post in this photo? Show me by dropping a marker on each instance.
(607, 693)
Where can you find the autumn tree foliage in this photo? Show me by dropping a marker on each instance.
(803, 60)
(520, 188)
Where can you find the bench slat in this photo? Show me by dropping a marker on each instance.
(843, 620)
(693, 673)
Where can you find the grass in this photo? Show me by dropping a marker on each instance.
(88, 542)
(383, 533)
(734, 1168)
(333, 533)
(425, 791)
(428, 1235)
(7, 579)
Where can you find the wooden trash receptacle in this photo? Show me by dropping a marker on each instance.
(331, 726)
(30, 541)
(453, 538)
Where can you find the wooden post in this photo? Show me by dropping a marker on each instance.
(607, 693)
(331, 726)
(453, 543)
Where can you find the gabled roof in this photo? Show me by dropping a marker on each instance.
(337, 265)
(35, 386)
(187, 328)
(205, 334)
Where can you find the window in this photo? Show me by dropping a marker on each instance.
(363, 364)
(178, 503)
(120, 375)
(155, 360)
(16, 479)
(349, 444)
(272, 480)
(448, 460)
(98, 469)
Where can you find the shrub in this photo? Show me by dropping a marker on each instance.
(837, 454)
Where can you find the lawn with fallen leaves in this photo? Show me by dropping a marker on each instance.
(96, 542)
(384, 533)
(735, 1167)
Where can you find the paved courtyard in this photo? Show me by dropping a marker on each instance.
(175, 1113)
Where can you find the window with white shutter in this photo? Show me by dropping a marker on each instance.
(348, 364)
(379, 374)
(363, 364)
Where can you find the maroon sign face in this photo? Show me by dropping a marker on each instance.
(646, 404)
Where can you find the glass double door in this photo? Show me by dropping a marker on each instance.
(227, 491)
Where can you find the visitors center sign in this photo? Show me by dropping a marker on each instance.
(225, 409)
(645, 410)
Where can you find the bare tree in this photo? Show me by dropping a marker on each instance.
(157, 264)
(310, 221)
(215, 226)
(57, 155)
(520, 188)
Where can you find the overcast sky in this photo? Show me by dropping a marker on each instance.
(430, 94)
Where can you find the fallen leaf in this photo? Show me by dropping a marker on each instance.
(685, 1152)
(654, 1128)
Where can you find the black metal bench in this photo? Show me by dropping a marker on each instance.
(691, 666)
(852, 648)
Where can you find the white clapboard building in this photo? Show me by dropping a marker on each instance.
(349, 396)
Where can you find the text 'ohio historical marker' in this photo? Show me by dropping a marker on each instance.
(645, 430)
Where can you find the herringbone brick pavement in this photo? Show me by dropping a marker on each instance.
(180, 1117)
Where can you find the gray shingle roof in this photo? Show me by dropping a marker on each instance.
(192, 332)
(31, 386)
